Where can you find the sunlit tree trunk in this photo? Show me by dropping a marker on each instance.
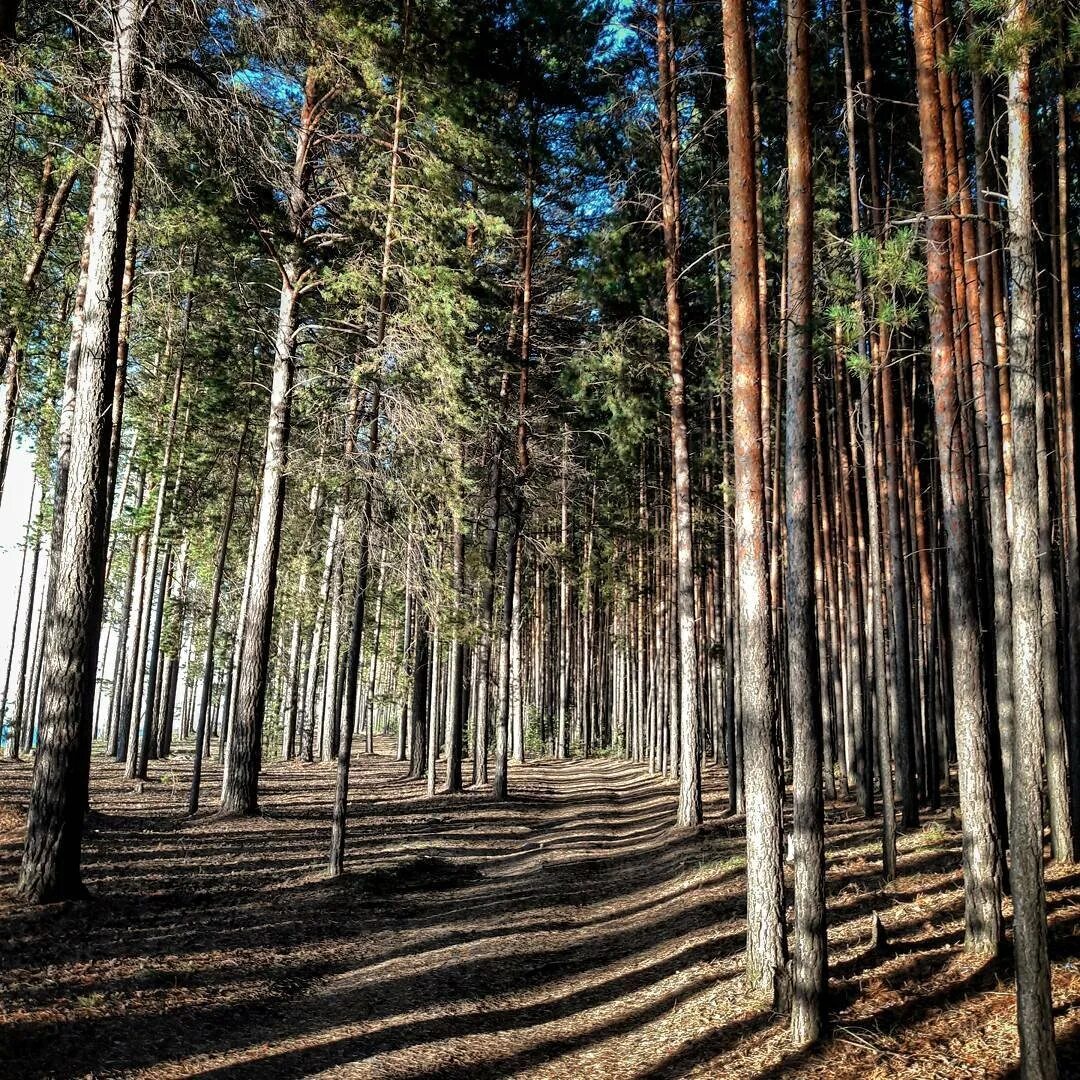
(12, 749)
(240, 792)
(982, 856)
(766, 949)
(688, 813)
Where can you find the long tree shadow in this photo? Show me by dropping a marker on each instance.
(530, 931)
(378, 899)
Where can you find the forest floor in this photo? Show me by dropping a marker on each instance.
(569, 932)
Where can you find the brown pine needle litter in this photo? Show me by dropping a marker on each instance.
(568, 933)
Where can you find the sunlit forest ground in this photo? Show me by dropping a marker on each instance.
(567, 933)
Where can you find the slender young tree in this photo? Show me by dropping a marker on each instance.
(455, 697)
(344, 755)
(158, 567)
(521, 476)
(562, 738)
(207, 684)
(11, 750)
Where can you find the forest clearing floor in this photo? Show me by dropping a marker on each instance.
(569, 932)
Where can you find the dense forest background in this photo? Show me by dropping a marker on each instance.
(469, 384)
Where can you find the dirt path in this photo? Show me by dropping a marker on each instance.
(568, 933)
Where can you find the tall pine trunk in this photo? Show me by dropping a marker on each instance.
(521, 475)
(688, 813)
(1034, 1006)
(982, 855)
(240, 793)
(51, 862)
(766, 947)
(808, 821)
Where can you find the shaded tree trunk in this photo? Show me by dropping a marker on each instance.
(201, 736)
(344, 750)
(51, 862)
(808, 820)
(517, 506)
(455, 697)
(1034, 1006)
(562, 739)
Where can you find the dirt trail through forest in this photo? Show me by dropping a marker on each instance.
(567, 933)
